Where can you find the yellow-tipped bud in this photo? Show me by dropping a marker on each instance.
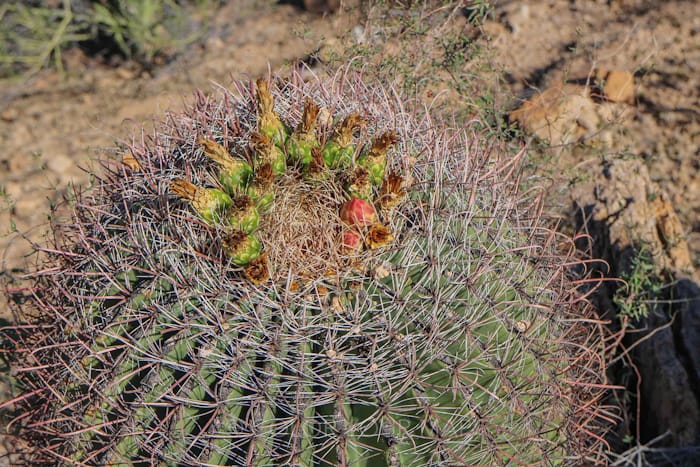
(267, 153)
(209, 203)
(374, 159)
(339, 150)
(261, 190)
(241, 247)
(357, 184)
(308, 120)
(300, 143)
(242, 214)
(269, 123)
(234, 174)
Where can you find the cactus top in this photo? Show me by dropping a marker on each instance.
(304, 202)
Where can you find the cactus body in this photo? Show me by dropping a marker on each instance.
(454, 338)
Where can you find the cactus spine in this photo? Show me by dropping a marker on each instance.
(422, 319)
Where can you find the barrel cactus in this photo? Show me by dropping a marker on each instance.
(306, 273)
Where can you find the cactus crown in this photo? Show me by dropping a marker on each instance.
(386, 298)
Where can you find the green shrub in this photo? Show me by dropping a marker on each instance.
(34, 35)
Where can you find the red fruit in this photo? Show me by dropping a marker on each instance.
(357, 212)
(350, 242)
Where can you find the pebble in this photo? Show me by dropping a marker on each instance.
(616, 85)
(561, 114)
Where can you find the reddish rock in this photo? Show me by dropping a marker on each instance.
(616, 85)
(561, 114)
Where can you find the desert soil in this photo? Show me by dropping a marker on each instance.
(52, 128)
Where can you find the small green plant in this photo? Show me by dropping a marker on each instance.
(7, 205)
(34, 35)
(144, 29)
(478, 11)
(641, 286)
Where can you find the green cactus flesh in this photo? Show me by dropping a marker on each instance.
(458, 340)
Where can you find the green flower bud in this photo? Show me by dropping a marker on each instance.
(358, 185)
(338, 151)
(374, 159)
(242, 248)
(267, 153)
(209, 203)
(243, 215)
(269, 123)
(234, 174)
(261, 190)
(300, 143)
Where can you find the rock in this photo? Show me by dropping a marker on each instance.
(10, 114)
(636, 214)
(126, 73)
(494, 30)
(562, 114)
(671, 234)
(668, 400)
(687, 328)
(60, 164)
(626, 213)
(321, 6)
(668, 360)
(616, 85)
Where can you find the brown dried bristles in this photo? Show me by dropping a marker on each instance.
(298, 232)
(382, 143)
(379, 235)
(258, 271)
(308, 120)
(350, 125)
